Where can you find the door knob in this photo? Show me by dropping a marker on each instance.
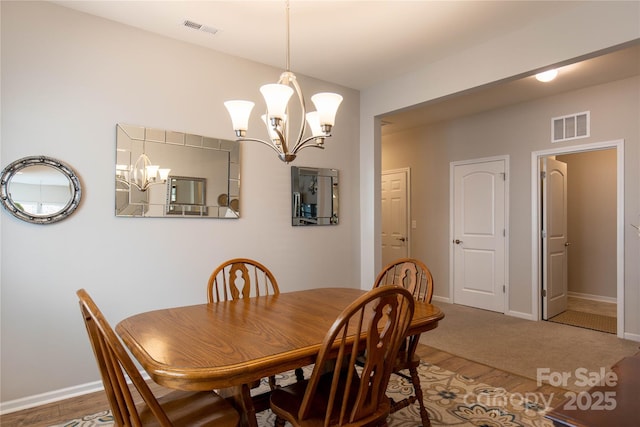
(567, 243)
(402, 239)
(457, 241)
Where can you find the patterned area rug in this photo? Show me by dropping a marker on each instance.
(450, 398)
(596, 322)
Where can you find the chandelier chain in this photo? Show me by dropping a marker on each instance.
(288, 61)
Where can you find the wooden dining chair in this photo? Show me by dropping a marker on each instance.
(240, 278)
(414, 276)
(177, 408)
(338, 393)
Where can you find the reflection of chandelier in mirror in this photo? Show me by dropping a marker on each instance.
(142, 175)
(277, 97)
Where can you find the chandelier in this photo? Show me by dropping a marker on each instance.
(277, 96)
(142, 174)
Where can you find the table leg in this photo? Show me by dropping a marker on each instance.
(241, 396)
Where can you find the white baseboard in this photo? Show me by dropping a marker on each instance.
(632, 337)
(592, 297)
(49, 397)
(520, 315)
(56, 395)
(441, 299)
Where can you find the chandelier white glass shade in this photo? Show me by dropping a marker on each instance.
(143, 174)
(277, 97)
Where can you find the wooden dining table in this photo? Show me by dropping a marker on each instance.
(229, 344)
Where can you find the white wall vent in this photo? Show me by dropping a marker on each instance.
(569, 127)
(205, 28)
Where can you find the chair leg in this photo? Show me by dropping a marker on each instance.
(415, 379)
(279, 422)
(299, 374)
(272, 382)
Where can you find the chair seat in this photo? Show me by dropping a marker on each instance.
(288, 400)
(191, 408)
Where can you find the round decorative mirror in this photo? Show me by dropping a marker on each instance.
(39, 190)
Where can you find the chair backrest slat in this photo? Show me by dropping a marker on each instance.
(411, 274)
(113, 362)
(240, 278)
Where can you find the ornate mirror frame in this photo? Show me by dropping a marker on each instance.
(18, 168)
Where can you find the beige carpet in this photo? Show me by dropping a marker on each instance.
(581, 319)
(523, 346)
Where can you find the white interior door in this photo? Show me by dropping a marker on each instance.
(479, 234)
(554, 237)
(395, 219)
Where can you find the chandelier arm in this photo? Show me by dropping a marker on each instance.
(124, 181)
(303, 108)
(311, 146)
(268, 144)
(305, 143)
(130, 183)
(143, 188)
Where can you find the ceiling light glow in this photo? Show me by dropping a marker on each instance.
(547, 76)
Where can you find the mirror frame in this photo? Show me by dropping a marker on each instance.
(128, 136)
(15, 167)
(301, 218)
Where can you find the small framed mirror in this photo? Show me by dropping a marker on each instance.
(40, 190)
(186, 196)
(314, 196)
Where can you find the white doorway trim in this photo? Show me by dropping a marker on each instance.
(536, 279)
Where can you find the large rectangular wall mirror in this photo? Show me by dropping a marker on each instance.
(162, 173)
(314, 196)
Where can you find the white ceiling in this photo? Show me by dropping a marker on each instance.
(359, 43)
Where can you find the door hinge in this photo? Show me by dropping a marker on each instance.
(544, 293)
(504, 176)
(543, 174)
(544, 234)
(504, 232)
(504, 289)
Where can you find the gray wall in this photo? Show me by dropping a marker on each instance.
(67, 79)
(517, 131)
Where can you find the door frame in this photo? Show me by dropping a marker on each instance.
(536, 277)
(407, 173)
(507, 171)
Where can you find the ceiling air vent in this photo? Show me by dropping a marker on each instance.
(199, 27)
(569, 127)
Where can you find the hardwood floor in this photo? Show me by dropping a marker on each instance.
(58, 412)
